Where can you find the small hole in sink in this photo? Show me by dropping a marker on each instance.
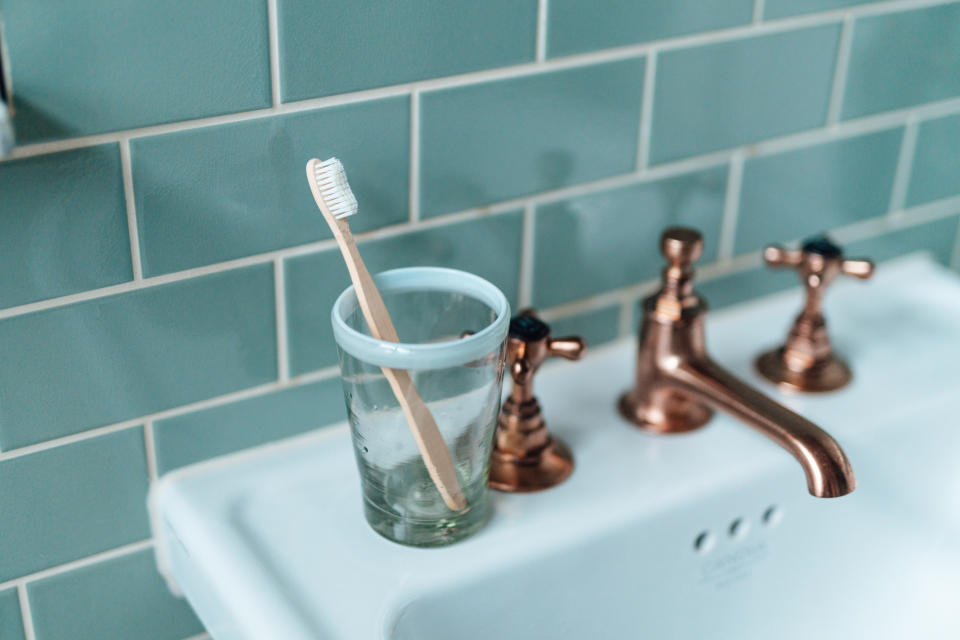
(772, 516)
(703, 542)
(739, 528)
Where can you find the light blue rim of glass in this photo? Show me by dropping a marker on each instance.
(435, 355)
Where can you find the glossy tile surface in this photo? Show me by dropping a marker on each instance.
(784, 8)
(732, 93)
(495, 141)
(902, 59)
(112, 359)
(118, 599)
(193, 437)
(339, 45)
(790, 195)
(63, 225)
(746, 285)
(934, 237)
(219, 193)
(936, 163)
(11, 624)
(488, 246)
(603, 241)
(596, 327)
(574, 26)
(95, 66)
(66, 503)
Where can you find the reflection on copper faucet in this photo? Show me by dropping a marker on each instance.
(525, 456)
(678, 385)
(807, 361)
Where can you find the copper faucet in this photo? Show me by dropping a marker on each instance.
(807, 361)
(525, 456)
(678, 385)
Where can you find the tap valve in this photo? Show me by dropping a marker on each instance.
(807, 361)
(525, 456)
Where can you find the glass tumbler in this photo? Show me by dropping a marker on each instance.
(452, 327)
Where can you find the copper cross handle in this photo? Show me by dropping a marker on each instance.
(530, 344)
(807, 361)
(525, 456)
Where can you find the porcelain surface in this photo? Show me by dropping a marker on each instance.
(273, 543)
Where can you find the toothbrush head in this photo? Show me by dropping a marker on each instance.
(331, 183)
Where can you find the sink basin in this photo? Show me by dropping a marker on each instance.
(705, 534)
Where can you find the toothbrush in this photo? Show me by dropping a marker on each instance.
(328, 182)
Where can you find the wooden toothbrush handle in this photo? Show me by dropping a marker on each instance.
(426, 433)
(433, 449)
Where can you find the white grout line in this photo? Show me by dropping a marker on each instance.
(414, 188)
(126, 168)
(862, 230)
(150, 447)
(256, 259)
(841, 66)
(116, 552)
(503, 73)
(29, 633)
(776, 145)
(70, 439)
(731, 208)
(610, 298)
(758, 11)
(794, 141)
(274, 53)
(646, 111)
(208, 403)
(541, 46)
(901, 180)
(280, 300)
(525, 287)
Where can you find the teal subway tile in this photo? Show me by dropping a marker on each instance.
(219, 193)
(596, 327)
(96, 66)
(488, 246)
(899, 60)
(112, 359)
(63, 225)
(785, 8)
(790, 195)
(116, 599)
(196, 436)
(11, 624)
(494, 141)
(936, 162)
(574, 26)
(602, 241)
(739, 287)
(71, 501)
(339, 46)
(732, 93)
(936, 238)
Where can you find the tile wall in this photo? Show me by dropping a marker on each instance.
(165, 281)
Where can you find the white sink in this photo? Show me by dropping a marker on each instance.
(272, 543)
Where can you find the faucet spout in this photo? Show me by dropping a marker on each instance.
(828, 471)
(678, 385)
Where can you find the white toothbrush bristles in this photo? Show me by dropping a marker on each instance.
(332, 182)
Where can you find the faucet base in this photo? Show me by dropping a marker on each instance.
(828, 374)
(668, 411)
(536, 472)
